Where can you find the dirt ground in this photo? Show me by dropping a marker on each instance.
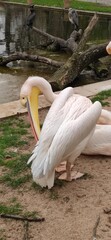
(77, 210)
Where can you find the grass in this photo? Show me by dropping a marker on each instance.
(101, 97)
(12, 209)
(14, 163)
(12, 130)
(17, 209)
(14, 182)
(53, 193)
(15, 171)
(80, 5)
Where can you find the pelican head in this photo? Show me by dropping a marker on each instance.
(29, 98)
(108, 48)
(31, 89)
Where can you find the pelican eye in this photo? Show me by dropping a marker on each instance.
(23, 101)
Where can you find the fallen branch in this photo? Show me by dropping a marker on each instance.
(50, 37)
(22, 218)
(60, 43)
(26, 226)
(95, 229)
(26, 57)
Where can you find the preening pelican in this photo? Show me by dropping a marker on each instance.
(66, 131)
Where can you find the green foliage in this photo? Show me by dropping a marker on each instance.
(101, 96)
(16, 209)
(53, 194)
(12, 133)
(12, 209)
(80, 5)
(14, 181)
(33, 214)
(38, 188)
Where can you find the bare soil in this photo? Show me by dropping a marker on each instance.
(77, 210)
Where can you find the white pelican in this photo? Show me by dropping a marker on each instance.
(108, 48)
(100, 142)
(66, 131)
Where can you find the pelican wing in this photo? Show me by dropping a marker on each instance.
(51, 124)
(69, 135)
(66, 106)
(100, 142)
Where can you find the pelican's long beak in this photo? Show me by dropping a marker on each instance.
(32, 106)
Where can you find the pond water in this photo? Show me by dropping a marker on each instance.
(15, 37)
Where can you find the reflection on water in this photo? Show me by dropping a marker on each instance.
(10, 87)
(11, 82)
(13, 76)
(15, 37)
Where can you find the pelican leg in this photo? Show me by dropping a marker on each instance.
(68, 171)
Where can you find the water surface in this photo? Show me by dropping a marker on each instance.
(15, 37)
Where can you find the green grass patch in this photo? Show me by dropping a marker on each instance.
(33, 214)
(12, 133)
(14, 182)
(12, 209)
(101, 97)
(17, 164)
(80, 5)
(38, 188)
(16, 209)
(53, 194)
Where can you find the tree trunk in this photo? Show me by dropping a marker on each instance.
(100, 68)
(73, 67)
(69, 71)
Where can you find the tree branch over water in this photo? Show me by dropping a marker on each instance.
(76, 44)
(26, 57)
